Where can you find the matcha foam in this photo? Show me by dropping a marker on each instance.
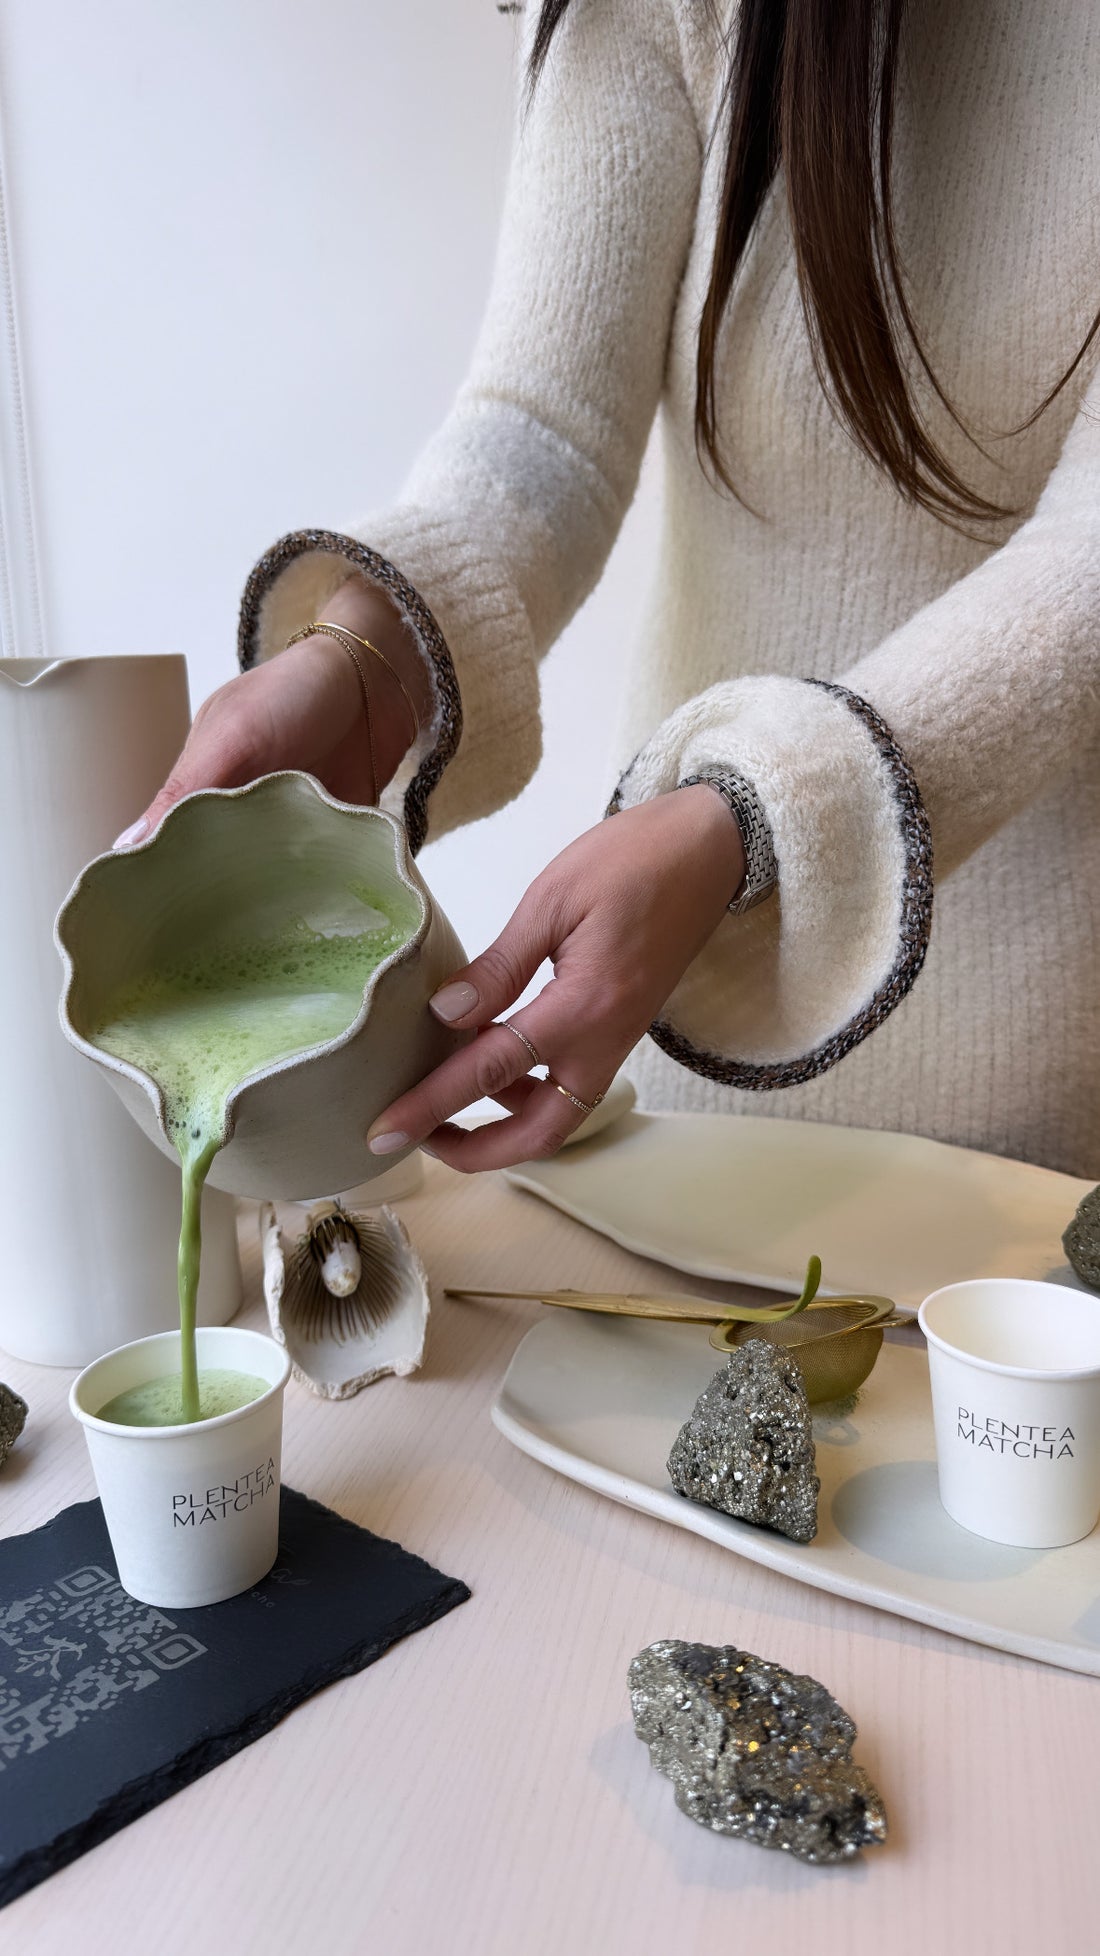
(203, 1025)
(159, 1402)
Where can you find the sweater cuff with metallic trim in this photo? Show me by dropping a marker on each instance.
(467, 618)
(291, 584)
(782, 993)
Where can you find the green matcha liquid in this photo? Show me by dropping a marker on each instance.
(203, 1026)
(159, 1402)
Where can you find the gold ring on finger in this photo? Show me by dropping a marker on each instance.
(586, 1106)
(507, 1026)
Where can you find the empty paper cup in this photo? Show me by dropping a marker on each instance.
(192, 1511)
(1015, 1369)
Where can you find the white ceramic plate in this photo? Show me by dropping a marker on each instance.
(748, 1200)
(602, 1401)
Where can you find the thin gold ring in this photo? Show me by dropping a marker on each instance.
(507, 1026)
(586, 1106)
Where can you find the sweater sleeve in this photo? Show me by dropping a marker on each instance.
(509, 515)
(984, 697)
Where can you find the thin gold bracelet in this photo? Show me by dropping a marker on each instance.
(325, 625)
(414, 716)
(337, 632)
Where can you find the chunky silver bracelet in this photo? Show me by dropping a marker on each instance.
(744, 804)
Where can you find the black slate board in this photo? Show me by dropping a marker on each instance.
(108, 1706)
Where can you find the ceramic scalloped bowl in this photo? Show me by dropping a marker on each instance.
(261, 856)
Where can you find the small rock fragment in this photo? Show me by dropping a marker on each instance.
(1081, 1241)
(754, 1751)
(13, 1415)
(748, 1447)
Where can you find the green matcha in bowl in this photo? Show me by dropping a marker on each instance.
(254, 979)
(191, 1504)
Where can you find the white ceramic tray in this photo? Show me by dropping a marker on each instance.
(602, 1401)
(748, 1200)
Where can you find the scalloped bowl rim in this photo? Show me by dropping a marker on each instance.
(292, 1061)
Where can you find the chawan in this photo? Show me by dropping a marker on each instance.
(229, 866)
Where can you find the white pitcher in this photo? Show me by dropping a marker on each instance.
(90, 1208)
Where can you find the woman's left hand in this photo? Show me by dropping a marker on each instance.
(622, 912)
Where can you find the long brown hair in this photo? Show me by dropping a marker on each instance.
(811, 84)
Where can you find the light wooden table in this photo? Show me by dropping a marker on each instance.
(480, 1792)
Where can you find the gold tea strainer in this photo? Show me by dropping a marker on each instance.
(836, 1344)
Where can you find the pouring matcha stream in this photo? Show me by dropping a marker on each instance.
(200, 1028)
(253, 979)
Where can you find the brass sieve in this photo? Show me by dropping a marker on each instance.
(836, 1344)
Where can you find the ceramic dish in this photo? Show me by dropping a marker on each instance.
(601, 1400)
(236, 866)
(749, 1200)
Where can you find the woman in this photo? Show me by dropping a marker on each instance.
(850, 252)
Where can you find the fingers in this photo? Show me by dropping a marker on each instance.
(303, 709)
(221, 751)
(583, 914)
(621, 913)
(494, 1061)
(174, 789)
(536, 1130)
(486, 1069)
(495, 1065)
(478, 994)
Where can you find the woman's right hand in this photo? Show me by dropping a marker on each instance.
(304, 709)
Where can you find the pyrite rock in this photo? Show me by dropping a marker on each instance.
(1081, 1241)
(754, 1751)
(13, 1415)
(748, 1447)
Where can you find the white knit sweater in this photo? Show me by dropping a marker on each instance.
(981, 657)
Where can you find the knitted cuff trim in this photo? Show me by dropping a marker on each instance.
(302, 543)
(915, 924)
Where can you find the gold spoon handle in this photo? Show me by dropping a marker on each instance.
(627, 1304)
(686, 1310)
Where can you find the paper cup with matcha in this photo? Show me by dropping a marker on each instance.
(192, 1507)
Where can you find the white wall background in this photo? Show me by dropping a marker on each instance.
(251, 243)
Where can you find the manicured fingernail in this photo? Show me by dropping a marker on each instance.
(131, 835)
(425, 1150)
(387, 1144)
(454, 1001)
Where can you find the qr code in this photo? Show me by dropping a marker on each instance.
(71, 1650)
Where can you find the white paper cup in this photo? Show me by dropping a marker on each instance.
(1015, 1370)
(192, 1511)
